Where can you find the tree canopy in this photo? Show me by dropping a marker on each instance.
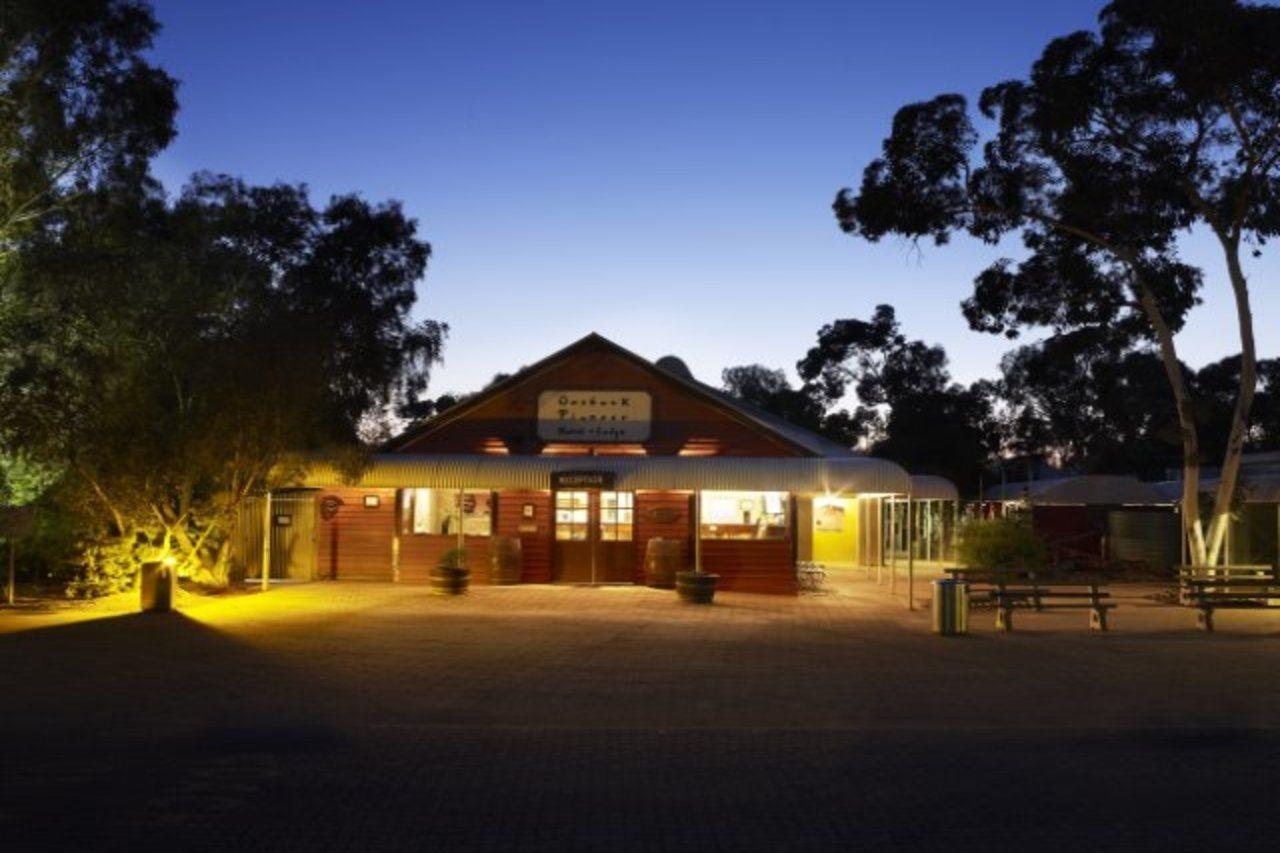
(174, 356)
(1117, 142)
(79, 105)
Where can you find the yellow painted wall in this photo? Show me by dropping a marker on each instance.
(830, 547)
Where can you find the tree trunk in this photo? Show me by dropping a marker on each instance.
(1244, 405)
(1193, 528)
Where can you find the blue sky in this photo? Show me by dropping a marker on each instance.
(658, 172)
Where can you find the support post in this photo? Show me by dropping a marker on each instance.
(893, 545)
(697, 530)
(266, 541)
(911, 556)
(10, 587)
(400, 504)
(1182, 530)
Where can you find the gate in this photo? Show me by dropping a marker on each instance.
(293, 538)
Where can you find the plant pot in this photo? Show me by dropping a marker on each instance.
(505, 560)
(695, 587)
(662, 559)
(446, 580)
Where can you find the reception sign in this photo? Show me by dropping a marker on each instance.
(594, 417)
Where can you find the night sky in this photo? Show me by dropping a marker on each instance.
(658, 172)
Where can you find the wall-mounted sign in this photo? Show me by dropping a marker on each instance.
(582, 479)
(372, 501)
(284, 520)
(594, 417)
(526, 511)
(664, 515)
(329, 506)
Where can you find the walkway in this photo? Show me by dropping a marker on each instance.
(362, 716)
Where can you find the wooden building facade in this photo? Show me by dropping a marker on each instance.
(585, 457)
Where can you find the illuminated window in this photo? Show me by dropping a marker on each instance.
(573, 510)
(744, 515)
(437, 511)
(617, 516)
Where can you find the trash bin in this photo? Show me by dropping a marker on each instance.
(950, 607)
(158, 581)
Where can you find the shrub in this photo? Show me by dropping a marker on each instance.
(103, 569)
(1002, 543)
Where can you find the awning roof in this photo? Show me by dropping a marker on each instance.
(1096, 489)
(859, 474)
(927, 487)
(1253, 489)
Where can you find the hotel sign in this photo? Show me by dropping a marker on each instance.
(594, 417)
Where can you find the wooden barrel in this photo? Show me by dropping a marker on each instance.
(506, 563)
(662, 559)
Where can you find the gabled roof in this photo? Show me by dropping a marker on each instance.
(789, 434)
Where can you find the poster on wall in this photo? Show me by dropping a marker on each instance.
(829, 518)
(594, 417)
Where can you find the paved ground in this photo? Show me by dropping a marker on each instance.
(343, 716)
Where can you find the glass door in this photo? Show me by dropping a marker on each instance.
(594, 537)
(615, 533)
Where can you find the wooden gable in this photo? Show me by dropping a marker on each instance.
(685, 419)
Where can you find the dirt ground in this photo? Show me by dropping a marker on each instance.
(363, 716)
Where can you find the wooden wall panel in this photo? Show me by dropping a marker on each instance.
(666, 515)
(535, 545)
(680, 416)
(751, 565)
(355, 541)
(420, 552)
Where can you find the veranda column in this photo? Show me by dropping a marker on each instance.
(266, 541)
(911, 556)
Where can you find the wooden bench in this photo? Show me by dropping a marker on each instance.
(1227, 587)
(1009, 589)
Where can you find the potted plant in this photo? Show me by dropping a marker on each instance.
(696, 587)
(451, 575)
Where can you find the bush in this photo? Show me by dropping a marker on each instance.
(1002, 543)
(104, 569)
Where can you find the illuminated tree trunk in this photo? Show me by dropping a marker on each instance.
(1193, 527)
(1244, 404)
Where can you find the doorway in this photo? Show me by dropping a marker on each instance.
(594, 537)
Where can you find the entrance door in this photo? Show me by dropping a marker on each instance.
(595, 534)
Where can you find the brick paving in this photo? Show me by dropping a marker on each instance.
(367, 716)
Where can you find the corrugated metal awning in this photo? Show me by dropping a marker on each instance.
(928, 487)
(1253, 489)
(1093, 489)
(854, 475)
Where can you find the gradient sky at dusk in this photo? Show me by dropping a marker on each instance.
(658, 172)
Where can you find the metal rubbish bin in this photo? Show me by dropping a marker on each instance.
(950, 607)
(158, 581)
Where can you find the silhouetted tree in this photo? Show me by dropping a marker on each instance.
(1087, 401)
(770, 390)
(79, 106)
(908, 406)
(1165, 120)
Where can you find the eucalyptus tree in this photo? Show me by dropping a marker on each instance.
(1118, 142)
(79, 104)
(909, 409)
(175, 357)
